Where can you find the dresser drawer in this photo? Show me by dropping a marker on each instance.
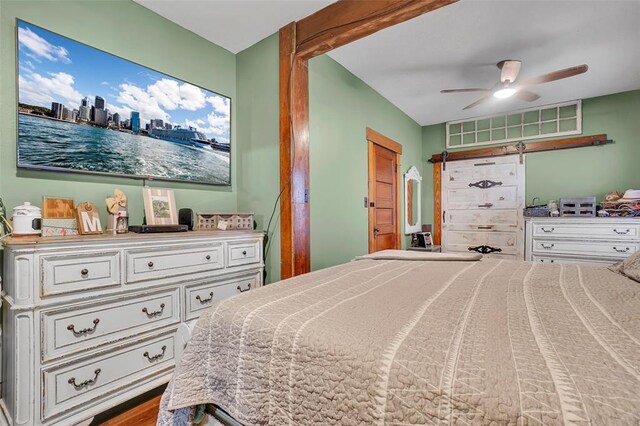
(594, 248)
(150, 264)
(72, 329)
(599, 231)
(201, 296)
(572, 260)
(243, 252)
(77, 383)
(460, 241)
(77, 271)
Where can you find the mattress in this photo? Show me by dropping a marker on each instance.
(411, 342)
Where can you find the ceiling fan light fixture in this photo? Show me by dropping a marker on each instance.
(505, 92)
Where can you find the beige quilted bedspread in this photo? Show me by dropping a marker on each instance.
(400, 342)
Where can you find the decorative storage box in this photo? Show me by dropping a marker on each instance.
(584, 207)
(234, 221)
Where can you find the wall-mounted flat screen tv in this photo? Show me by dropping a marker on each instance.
(84, 110)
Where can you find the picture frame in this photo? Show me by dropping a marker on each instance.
(58, 208)
(160, 206)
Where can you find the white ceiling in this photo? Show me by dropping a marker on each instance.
(453, 47)
(234, 24)
(458, 46)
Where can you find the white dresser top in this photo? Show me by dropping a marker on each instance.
(109, 237)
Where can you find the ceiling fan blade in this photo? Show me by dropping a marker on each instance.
(475, 89)
(509, 70)
(556, 75)
(526, 95)
(479, 101)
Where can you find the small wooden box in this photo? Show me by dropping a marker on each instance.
(234, 221)
(578, 207)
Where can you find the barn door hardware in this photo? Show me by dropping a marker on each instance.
(520, 146)
(444, 157)
(485, 249)
(485, 184)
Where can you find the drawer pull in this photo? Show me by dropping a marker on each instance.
(625, 232)
(486, 205)
(208, 257)
(485, 227)
(150, 264)
(152, 314)
(84, 331)
(247, 289)
(89, 382)
(207, 300)
(550, 246)
(548, 230)
(625, 250)
(244, 252)
(156, 356)
(85, 272)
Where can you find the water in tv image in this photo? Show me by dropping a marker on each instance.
(81, 109)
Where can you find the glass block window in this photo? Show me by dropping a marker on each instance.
(543, 122)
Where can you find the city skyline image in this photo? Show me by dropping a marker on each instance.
(84, 110)
(53, 68)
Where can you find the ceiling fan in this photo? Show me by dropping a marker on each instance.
(507, 87)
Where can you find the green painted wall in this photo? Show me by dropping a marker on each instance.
(258, 139)
(341, 108)
(579, 172)
(126, 29)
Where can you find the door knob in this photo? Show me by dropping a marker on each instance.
(376, 230)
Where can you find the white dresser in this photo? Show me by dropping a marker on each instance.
(90, 322)
(581, 240)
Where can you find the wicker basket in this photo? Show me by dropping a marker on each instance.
(536, 210)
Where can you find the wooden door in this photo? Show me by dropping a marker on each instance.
(483, 201)
(384, 201)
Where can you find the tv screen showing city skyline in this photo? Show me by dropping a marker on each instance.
(84, 110)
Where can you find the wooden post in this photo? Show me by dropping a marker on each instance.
(336, 25)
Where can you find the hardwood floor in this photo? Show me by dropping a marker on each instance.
(142, 411)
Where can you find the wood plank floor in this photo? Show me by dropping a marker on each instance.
(145, 414)
(140, 411)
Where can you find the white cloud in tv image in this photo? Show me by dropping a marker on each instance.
(84, 110)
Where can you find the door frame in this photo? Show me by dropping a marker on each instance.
(375, 138)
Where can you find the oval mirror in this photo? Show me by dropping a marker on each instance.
(412, 196)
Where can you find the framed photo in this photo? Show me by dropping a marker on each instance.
(160, 206)
(58, 208)
(84, 110)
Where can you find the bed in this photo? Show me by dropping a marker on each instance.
(407, 338)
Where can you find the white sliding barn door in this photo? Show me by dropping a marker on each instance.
(483, 202)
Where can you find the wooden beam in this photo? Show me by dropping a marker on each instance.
(348, 20)
(552, 145)
(287, 41)
(294, 158)
(335, 25)
(437, 204)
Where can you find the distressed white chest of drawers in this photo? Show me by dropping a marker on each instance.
(581, 240)
(90, 322)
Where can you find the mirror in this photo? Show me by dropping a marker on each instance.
(412, 196)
